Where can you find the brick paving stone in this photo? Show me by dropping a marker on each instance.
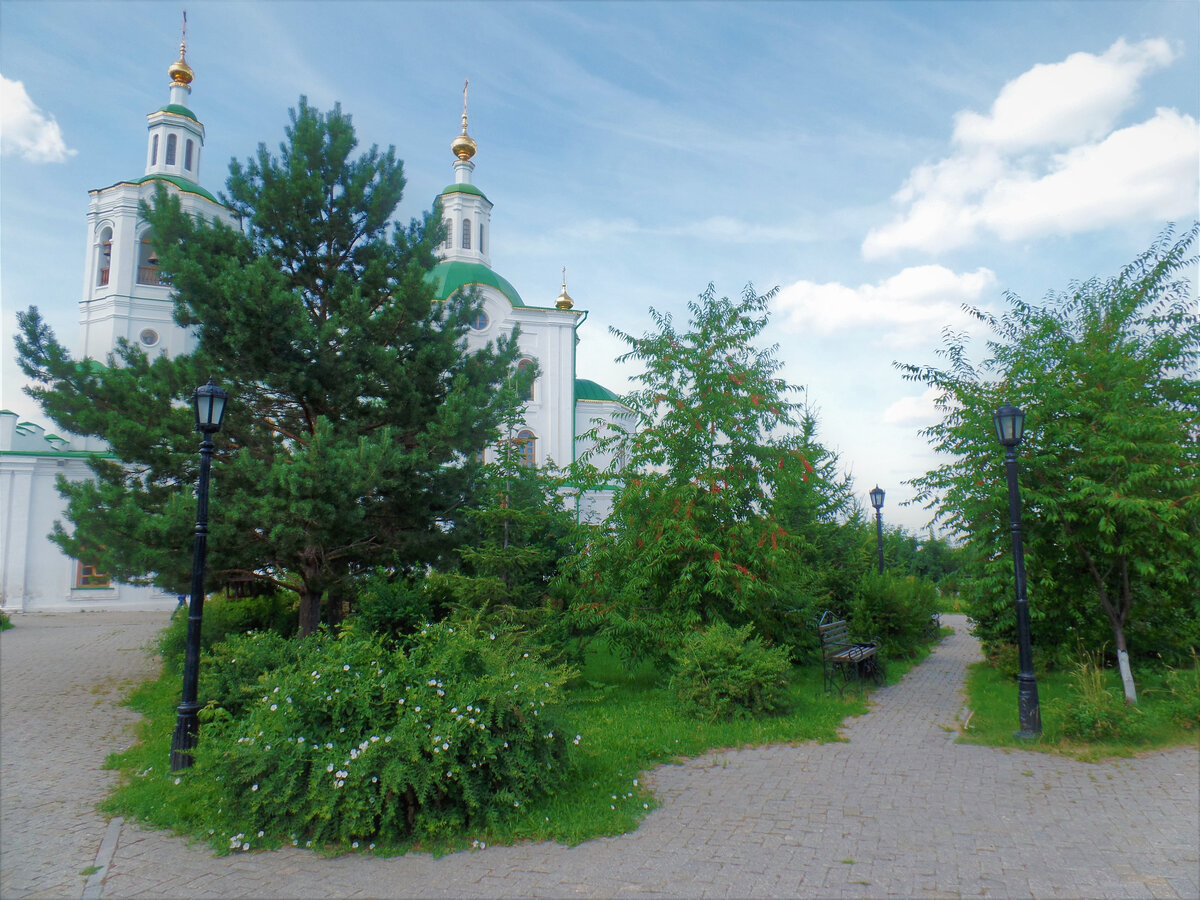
(920, 815)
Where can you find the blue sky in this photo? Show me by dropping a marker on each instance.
(881, 163)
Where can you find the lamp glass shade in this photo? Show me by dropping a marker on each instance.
(208, 400)
(1010, 425)
(877, 497)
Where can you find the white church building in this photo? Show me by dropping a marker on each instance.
(123, 297)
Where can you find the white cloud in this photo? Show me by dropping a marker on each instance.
(1047, 160)
(25, 130)
(907, 309)
(1064, 103)
(920, 410)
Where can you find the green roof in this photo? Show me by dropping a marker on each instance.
(178, 110)
(586, 389)
(183, 184)
(449, 276)
(465, 189)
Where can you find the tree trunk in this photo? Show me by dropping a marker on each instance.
(310, 610)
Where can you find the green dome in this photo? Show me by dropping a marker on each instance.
(450, 275)
(465, 189)
(178, 110)
(188, 187)
(586, 389)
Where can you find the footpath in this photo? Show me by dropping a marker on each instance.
(898, 810)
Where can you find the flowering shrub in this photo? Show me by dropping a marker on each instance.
(357, 742)
(722, 671)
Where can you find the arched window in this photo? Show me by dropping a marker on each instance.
(187, 156)
(524, 370)
(526, 445)
(147, 272)
(104, 261)
(481, 237)
(154, 151)
(449, 226)
(466, 234)
(171, 142)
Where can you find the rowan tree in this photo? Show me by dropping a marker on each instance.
(1107, 375)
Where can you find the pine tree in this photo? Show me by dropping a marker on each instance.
(355, 411)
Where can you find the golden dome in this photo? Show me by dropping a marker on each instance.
(180, 72)
(463, 146)
(564, 300)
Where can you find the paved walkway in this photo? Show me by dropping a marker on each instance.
(898, 810)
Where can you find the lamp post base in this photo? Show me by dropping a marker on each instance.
(1029, 709)
(186, 736)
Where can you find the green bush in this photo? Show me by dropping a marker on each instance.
(1183, 685)
(223, 616)
(391, 605)
(1094, 713)
(230, 672)
(894, 609)
(360, 742)
(722, 671)
(5, 622)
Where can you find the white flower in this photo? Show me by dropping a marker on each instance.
(260, 834)
(445, 746)
(355, 845)
(254, 787)
(179, 781)
(274, 706)
(246, 846)
(346, 668)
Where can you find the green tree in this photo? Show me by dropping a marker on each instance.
(691, 539)
(355, 411)
(1106, 373)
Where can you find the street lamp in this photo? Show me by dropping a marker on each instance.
(877, 502)
(208, 402)
(1010, 428)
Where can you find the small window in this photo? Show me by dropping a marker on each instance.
(104, 263)
(523, 368)
(89, 576)
(154, 151)
(147, 271)
(466, 234)
(480, 237)
(171, 142)
(187, 156)
(480, 321)
(448, 243)
(526, 445)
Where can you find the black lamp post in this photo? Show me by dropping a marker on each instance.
(877, 502)
(208, 402)
(1010, 428)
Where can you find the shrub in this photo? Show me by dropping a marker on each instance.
(229, 674)
(895, 609)
(225, 615)
(5, 622)
(391, 605)
(722, 671)
(1183, 685)
(1094, 713)
(361, 742)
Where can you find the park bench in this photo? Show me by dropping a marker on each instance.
(846, 660)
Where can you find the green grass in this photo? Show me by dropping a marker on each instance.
(627, 723)
(1162, 712)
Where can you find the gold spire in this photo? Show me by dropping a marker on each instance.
(180, 71)
(462, 146)
(564, 300)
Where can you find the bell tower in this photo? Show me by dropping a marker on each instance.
(123, 296)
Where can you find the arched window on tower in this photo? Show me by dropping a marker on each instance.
(187, 156)
(466, 242)
(526, 445)
(448, 243)
(481, 237)
(524, 371)
(172, 140)
(147, 272)
(104, 261)
(154, 151)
